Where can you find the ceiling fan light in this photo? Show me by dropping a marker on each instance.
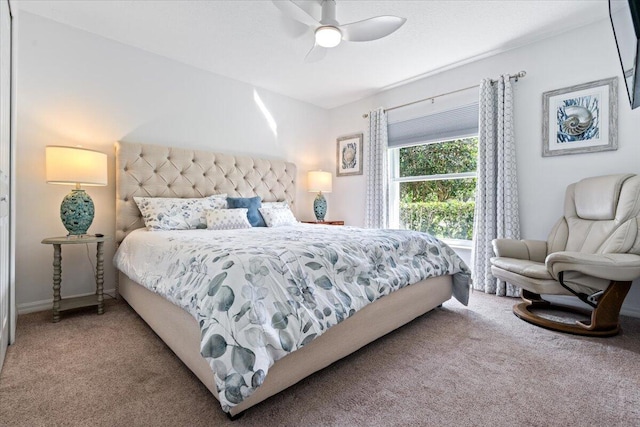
(328, 36)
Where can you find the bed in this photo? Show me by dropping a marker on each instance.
(163, 172)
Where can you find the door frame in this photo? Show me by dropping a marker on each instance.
(13, 312)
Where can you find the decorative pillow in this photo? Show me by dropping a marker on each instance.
(275, 205)
(219, 201)
(278, 217)
(227, 219)
(252, 204)
(167, 213)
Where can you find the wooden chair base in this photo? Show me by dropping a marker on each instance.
(604, 319)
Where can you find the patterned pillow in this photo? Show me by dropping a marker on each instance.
(278, 217)
(165, 213)
(250, 203)
(227, 219)
(275, 205)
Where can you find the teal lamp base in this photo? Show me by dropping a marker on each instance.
(76, 212)
(320, 207)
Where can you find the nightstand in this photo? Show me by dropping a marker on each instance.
(324, 222)
(60, 304)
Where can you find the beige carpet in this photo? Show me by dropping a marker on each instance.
(455, 366)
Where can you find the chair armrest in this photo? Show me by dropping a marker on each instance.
(619, 267)
(532, 250)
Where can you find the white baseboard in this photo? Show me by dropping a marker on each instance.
(630, 311)
(47, 304)
(32, 307)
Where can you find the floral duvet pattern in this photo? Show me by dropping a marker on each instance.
(261, 293)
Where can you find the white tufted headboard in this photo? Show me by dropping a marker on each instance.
(156, 171)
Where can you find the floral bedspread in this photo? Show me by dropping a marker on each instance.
(261, 293)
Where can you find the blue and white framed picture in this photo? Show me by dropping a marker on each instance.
(580, 119)
(349, 155)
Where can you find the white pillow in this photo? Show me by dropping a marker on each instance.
(275, 205)
(227, 219)
(277, 217)
(167, 213)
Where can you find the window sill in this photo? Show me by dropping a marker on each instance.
(458, 243)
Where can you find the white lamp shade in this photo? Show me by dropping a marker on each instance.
(319, 181)
(75, 165)
(328, 36)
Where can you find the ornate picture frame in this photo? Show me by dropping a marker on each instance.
(580, 119)
(349, 155)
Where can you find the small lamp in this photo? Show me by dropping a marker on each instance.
(76, 166)
(319, 181)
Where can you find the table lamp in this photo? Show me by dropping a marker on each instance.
(76, 166)
(319, 181)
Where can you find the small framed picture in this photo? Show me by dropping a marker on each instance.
(349, 155)
(580, 119)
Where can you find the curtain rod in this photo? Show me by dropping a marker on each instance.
(431, 98)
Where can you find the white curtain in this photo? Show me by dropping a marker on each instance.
(377, 208)
(496, 212)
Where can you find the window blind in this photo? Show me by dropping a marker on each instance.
(456, 123)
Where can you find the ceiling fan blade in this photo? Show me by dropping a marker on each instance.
(294, 11)
(371, 29)
(315, 54)
(292, 28)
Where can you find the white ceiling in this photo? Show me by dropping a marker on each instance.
(252, 41)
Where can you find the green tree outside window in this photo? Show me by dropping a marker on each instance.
(441, 205)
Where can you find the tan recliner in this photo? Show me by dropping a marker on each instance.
(593, 253)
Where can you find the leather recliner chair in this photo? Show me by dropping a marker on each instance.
(592, 253)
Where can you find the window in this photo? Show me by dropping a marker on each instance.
(433, 187)
(433, 174)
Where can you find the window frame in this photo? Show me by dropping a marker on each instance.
(395, 179)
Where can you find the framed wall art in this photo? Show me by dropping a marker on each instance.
(580, 119)
(349, 155)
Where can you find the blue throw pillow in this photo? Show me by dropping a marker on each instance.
(250, 203)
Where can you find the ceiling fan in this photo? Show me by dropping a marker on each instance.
(329, 33)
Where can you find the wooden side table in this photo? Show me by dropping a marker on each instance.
(60, 304)
(324, 222)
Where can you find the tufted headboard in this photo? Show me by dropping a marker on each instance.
(156, 171)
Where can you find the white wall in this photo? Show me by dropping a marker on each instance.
(78, 88)
(580, 56)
